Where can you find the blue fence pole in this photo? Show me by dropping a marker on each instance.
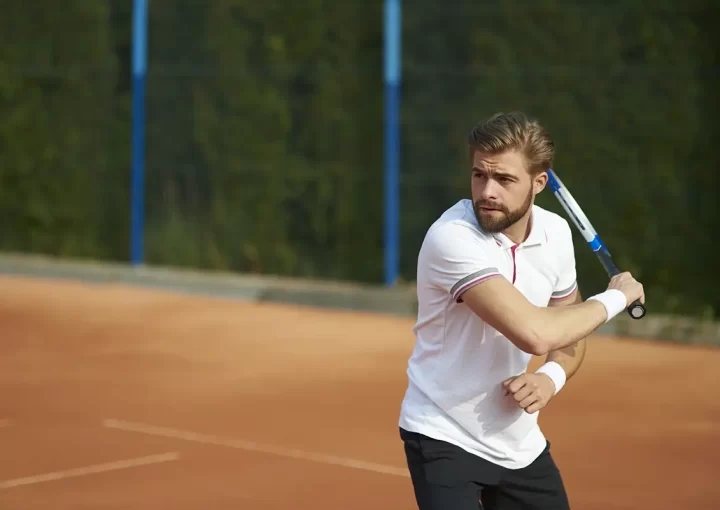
(393, 36)
(137, 189)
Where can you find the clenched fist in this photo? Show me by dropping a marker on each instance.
(531, 392)
(625, 283)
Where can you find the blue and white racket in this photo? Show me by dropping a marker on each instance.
(636, 309)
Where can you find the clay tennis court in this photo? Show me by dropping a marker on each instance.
(118, 397)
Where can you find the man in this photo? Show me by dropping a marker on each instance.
(496, 284)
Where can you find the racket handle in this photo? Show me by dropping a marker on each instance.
(636, 310)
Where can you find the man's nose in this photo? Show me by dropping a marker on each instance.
(489, 191)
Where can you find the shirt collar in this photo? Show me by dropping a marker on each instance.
(537, 236)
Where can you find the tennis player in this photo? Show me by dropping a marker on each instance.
(496, 284)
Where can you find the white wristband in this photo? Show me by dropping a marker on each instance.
(613, 300)
(555, 372)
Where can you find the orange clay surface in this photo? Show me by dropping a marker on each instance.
(219, 404)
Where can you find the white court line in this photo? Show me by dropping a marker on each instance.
(90, 470)
(252, 446)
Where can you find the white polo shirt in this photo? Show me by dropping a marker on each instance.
(456, 369)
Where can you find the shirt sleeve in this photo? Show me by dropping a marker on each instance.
(455, 260)
(567, 273)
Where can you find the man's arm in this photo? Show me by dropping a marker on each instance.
(533, 329)
(533, 392)
(571, 357)
(453, 259)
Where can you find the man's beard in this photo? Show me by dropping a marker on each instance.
(502, 218)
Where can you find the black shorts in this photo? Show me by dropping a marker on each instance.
(446, 477)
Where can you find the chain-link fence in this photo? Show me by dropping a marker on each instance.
(629, 92)
(265, 122)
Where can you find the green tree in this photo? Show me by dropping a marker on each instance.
(618, 87)
(285, 123)
(57, 165)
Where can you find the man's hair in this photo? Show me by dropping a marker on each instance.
(514, 131)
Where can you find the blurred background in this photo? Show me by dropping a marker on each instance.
(264, 130)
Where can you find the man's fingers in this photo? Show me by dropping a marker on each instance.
(516, 384)
(523, 393)
(506, 384)
(534, 407)
(527, 401)
(527, 391)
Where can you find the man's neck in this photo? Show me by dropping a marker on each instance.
(520, 230)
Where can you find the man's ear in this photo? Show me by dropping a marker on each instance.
(539, 182)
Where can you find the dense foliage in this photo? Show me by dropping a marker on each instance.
(265, 130)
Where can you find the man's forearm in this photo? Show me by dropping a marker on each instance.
(571, 357)
(561, 327)
(533, 329)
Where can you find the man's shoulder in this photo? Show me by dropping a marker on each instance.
(457, 222)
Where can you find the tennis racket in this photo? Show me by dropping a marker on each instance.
(636, 309)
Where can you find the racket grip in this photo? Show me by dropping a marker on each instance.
(636, 310)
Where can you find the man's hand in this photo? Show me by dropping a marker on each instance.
(625, 283)
(532, 392)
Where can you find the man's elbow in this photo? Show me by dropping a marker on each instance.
(532, 342)
(539, 349)
(527, 334)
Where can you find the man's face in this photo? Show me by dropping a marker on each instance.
(502, 189)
